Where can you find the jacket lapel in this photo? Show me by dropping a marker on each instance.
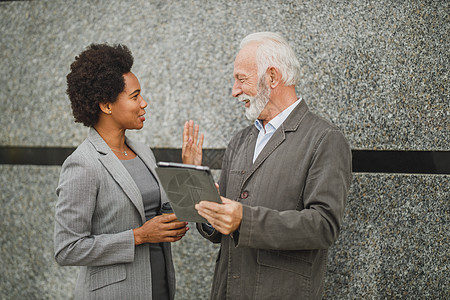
(250, 145)
(277, 139)
(290, 124)
(113, 165)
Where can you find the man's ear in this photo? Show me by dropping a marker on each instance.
(105, 107)
(274, 76)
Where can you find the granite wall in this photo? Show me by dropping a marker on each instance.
(376, 69)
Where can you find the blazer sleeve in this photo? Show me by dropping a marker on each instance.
(73, 242)
(317, 225)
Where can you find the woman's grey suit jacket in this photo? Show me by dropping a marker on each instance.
(98, 207)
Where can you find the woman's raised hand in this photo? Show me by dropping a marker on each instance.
(192, 144)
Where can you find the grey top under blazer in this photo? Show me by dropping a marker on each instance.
(98, 207)
(293, 199)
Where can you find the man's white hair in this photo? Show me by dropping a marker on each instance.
(274, 51)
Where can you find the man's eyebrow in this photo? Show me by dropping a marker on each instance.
(136, 91)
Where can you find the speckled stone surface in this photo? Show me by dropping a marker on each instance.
(194, 258)
(394, 243)
(376, 69)
(28, 269)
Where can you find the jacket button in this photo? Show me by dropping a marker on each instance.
(244, 195)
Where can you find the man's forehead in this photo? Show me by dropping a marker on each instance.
(247, 52)
(245, 61)
(244, 71)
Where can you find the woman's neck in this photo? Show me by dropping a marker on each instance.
(115, 138)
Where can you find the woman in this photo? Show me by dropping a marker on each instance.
(107, 216)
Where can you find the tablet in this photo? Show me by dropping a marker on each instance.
(185, 186)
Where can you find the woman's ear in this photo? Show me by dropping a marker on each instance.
(105, 107)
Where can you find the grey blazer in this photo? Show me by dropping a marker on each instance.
(98, 206)
(293, 200)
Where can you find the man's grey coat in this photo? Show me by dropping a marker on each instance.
(99, 205)
(293, 200)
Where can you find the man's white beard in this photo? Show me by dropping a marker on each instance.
(257, 103)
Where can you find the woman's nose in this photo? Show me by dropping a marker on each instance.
(143, 103)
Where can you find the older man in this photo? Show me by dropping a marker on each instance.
(284, 184)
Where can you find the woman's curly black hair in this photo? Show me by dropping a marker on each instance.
(96, 77)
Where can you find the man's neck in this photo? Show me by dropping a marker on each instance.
(280, 99)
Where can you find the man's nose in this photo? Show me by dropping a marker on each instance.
(236, 91)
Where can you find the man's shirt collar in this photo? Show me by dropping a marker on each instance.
(276, 122)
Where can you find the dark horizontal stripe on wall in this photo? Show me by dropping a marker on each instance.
(34, 155)
(364, 161)
(421, 162)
